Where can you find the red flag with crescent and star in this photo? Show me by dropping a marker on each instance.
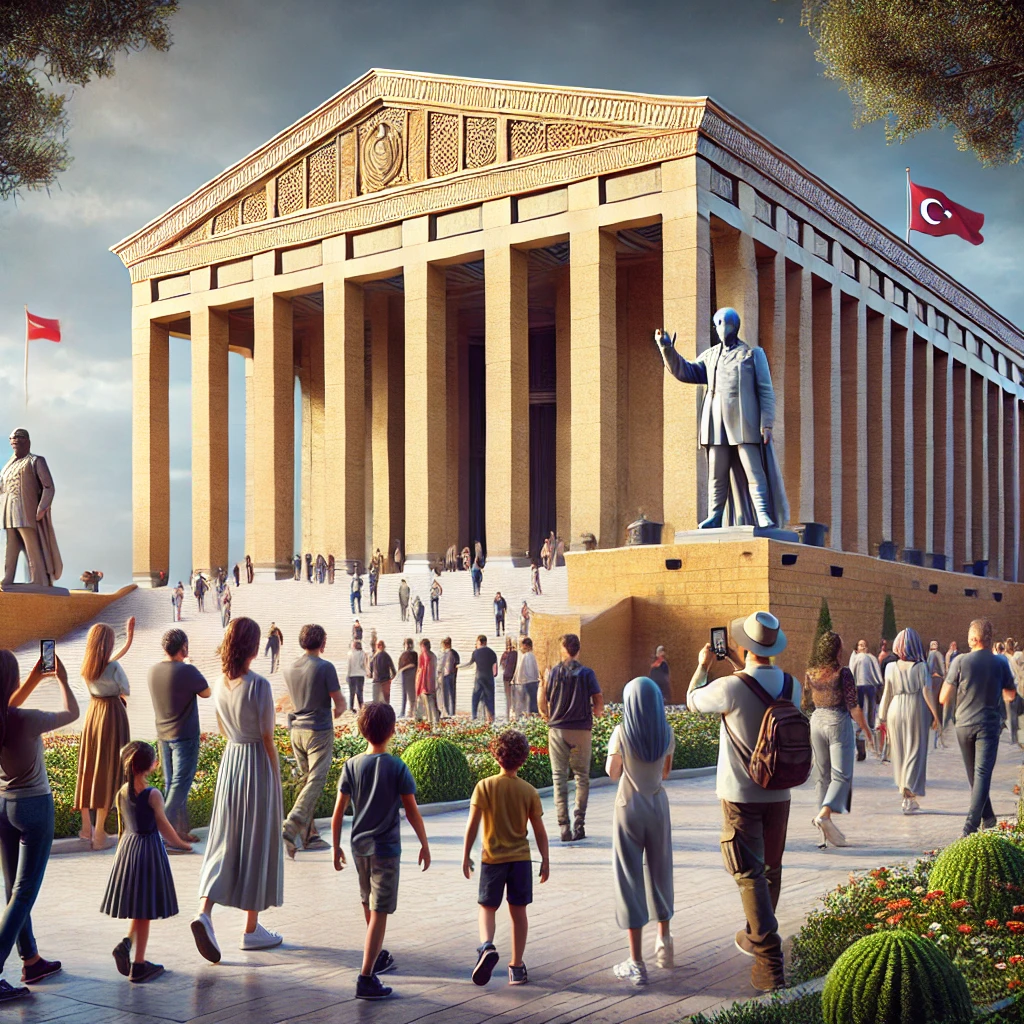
(933, 213)
(39, 328)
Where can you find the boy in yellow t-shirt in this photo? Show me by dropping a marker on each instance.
(505, 804)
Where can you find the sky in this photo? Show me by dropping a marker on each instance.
(240, 71)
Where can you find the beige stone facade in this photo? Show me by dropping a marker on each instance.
(464, 276)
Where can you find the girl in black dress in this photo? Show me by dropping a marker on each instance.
(141, 888)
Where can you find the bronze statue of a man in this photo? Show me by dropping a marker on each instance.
(26, 493)
(736, 421)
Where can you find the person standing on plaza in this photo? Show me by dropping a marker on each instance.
(640, 753)
(201, 587)
(507, 664)
(526, 681)
(980, 682)
(436, 591)
(867, 674)
(407, 662)
(485, 670)
(535, 579)
(238, 575)
(500, 608)
(356, 594)
(357, 630)
(426, 684)
(225, 608)
(274, 640)
(568, 702)
(525, 614)
(243, 865)
(660, 674)
(506, 806)
(952, 653)
(26, 812)
(104, 732)
(356, 674)
(377, 784)
(403, 600)
(476, 575)
(309, 567)
(331, 569)
(248, 569)
(448, 665)
(1016, 658)
(936, 664)
(179, 600)
(545, 553)
(417, 614)
(374, 578)
(297, 568)
(382, 672)
(398, 559)
(174, 686)
(313, 687)
(909, 708)
(755, 820)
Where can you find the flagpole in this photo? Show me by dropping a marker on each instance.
(908, 206)
(26, 357)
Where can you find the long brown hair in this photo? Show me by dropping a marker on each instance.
(99, 645)
(9, 679)
(824, 665)
(241, 643)
(136, 757)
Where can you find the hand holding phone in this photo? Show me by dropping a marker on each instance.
(719, 642)
(48, 656)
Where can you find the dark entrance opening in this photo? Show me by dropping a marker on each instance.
(542, 436)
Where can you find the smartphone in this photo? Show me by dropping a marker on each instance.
(718, 641)
(48, 656)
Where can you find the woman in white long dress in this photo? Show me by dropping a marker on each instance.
(909, 711)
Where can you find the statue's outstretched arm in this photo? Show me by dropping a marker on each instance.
(682, 369)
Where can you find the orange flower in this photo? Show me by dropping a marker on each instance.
(895, 919)
(1015, 926)
(1014, 983)
(992, 923)
(903, 904)
(935, 894)
(958, 904)
(1018, 910)
(965, 929)
(880, 883)
(1015, 959)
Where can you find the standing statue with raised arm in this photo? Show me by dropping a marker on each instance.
(26, 492)
(737, 416)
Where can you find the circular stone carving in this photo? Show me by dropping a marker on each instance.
(381, 156)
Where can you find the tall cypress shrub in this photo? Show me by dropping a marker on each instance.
(889, 620)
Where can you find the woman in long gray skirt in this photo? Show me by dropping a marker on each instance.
(244, 862)
(640, 756)
(832, 689)
(909, 712)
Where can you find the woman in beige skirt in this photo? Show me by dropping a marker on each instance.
(105, 730)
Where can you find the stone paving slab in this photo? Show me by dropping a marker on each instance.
(573, 940)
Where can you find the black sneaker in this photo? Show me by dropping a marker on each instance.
(371, 988)
(385, 962)
(8, 992)
(145, 972)
(123, 956)
(517, 975)
(487, 957)
(990, 823)
(578, 833)
(31, 973)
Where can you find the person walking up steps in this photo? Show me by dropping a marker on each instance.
(417, 614)
(505, 805)
(141, 888)
(356, 674)
(500, 608)
(436, 591)
(356, 594)
(403, 600)
(376, 783)
(274, 640)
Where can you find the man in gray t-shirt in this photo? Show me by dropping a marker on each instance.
(313, 687)
(981, 683)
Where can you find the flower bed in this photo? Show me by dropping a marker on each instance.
(696, 747)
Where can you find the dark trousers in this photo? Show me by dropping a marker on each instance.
(178, 759)
(979, 745)
(448, 694)
(499, 624)
(356, 601)
(26, 835)
(355, 691)
(435, 609)
(753, 842)
(868, 700)
(483, 691)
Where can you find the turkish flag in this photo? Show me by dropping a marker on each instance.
(933, 213)
(39, 328)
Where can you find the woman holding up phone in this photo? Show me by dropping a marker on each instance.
(26, 812)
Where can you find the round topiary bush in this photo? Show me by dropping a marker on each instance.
(895, 977)
(440, 769)
(483, 766)
(984, 868)
(537, 770)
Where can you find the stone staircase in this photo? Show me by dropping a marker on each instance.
(292, 604)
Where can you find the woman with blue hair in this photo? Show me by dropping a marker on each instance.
(909, 711)
(640, 757)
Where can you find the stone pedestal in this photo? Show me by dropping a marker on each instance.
(727, 534)
(33, 588)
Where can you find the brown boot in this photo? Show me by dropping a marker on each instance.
(767, 976)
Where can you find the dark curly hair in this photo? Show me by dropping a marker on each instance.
(312, 637)
(825, 659)
(376, 722)
(511, 749)
(241, 643)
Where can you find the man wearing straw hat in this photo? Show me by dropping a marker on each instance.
(754, 819)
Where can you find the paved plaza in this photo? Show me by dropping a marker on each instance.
(573, 941)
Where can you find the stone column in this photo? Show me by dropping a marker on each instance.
(771, 315)
(209, 332)
(273, 436)
(999, 519)
(250, 456)
(884, 479)
(563, 410)
(686, 302)
(344, 417)
(948, 458)
(853, 415)
(1016, 484)
(827, 418)
(984, 440)
(426, 427)
(506, 360)
(910, 538)
(151, 466)
(862, 383)
(799, 396)
(929, 448)
(455, 412)
(736, 278)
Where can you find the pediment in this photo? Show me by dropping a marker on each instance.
(393, 129)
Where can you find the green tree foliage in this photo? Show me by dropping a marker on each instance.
(49, 42)
(921, 64)
(889, 629)
(824, 626)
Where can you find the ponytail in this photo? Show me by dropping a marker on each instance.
(136, 757)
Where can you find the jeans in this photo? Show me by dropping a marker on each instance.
(868, 701)
(313, 750)
(356, 601)
(355, 691)
(373, 595)
(435, 609)
(753, 842)
(178, 759)
(448, 694)
(483, 690)
(26, 835)
(979, 745)
(833, 746)
(408, 692)
(499, 625)
(275, 653)
(476, 587)
(570, 753)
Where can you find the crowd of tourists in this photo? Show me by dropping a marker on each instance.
(767, 747)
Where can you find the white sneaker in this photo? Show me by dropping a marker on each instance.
(206, 941)
(664, 952)
(912, 805)
(633, 971)
(261, 938)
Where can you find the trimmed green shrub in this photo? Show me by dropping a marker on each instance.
(537, 770)
(803, 1010)
(895, 977)
(440, 769)
(483, 766)
(888, 620)
(984, 868)
(824, 626)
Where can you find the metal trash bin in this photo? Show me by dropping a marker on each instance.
(813, 534)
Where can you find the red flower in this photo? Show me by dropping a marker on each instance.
(880, 883)
(935, 894)
(965, 929)
(1014, 983)
(1015, 959)
(958, 904)
(869, 927)
(895, 919)
(903, 904)
(1018, 910)
(1015, 926)
(992, 923)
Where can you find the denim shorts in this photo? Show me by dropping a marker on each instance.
(515, 876)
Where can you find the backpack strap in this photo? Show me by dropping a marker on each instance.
(755, 688)
(787, 687)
